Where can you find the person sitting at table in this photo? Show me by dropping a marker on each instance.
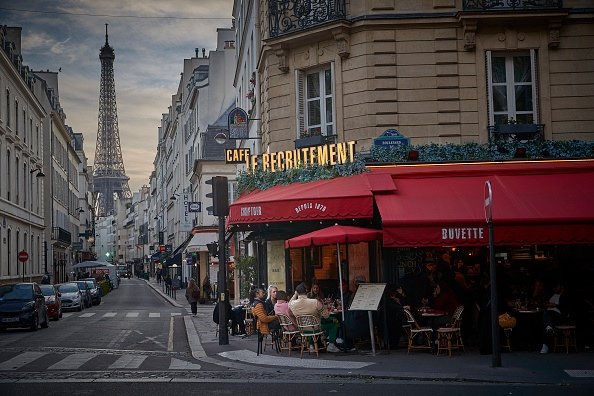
(444, 298)
(395, 317)
(557, 311)
(271, 300)
(299, 304)
(282, 307)
(316, 292)
(263, 318)
(537, 298)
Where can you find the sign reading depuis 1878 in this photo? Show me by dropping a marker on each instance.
(328, 154)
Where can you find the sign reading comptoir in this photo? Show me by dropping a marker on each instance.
(328, 154)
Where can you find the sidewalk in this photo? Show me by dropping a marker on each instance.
(518, 367)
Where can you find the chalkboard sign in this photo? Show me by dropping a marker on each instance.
(367, 297)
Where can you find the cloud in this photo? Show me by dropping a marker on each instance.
(149, 60)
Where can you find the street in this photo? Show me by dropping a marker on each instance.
(132, 329)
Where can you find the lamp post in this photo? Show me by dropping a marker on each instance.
(496, 354)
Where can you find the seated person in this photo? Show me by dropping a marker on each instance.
(395, 318)
(282, 307)
(316, 292)
(263, 319)
(557, 312)
(235, 315)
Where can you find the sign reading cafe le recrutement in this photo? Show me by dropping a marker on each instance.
(327, 154)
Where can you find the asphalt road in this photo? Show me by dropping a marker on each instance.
(132, 329)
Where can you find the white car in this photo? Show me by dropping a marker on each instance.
(72, 298)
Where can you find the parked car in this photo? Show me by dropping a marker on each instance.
(52, 301)
(95, 290)
(22, 305)
(71, 296)
(86, 291)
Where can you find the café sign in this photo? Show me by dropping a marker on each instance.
(328, 154)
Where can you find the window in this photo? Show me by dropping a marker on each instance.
(8, 108)
(8, 249)
(17, 187)
(315, 102)
(8, 175)
(16, 117)
(512, 87)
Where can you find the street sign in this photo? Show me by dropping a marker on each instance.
(391, 137)
(23, 256)
(195, 207)
(162, 248)
(237, 124)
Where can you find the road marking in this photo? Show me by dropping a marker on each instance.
(580, 373)
(73, 361)
(20, 360)
(132, 315)
(175, 313)
(87, 315)
(67, 314)
(128, 362)
(154, 315)
(178, 364)
(109, 314)
(170, 341)
(120, 338)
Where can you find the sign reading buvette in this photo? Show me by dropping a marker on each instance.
(327, 154)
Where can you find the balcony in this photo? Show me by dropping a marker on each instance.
(314, 140)
(516, 132)
(523, 5)
(61, 237)
(288, 16)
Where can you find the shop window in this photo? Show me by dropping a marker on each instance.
(315, 102)
(512, 87)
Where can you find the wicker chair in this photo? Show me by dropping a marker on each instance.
(287, 336)
(450, 336)
(249, 322)
(309, 327)
(416, 330)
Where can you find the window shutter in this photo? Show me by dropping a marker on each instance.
(300, 101)
(533, 65)
(489, 88)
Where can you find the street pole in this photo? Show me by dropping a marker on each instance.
(496, 353)
(222, 288)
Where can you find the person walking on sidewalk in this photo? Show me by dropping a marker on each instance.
(192, 295)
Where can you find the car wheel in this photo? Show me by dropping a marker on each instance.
(80, 307)
(35, 324)
(60, 315)
(45, 324)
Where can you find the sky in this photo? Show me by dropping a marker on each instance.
(150, 39)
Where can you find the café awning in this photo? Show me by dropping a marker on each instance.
(339, 198)
(545, 202)
(199, 241)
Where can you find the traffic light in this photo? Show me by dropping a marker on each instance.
(213, 249)
(219, 195)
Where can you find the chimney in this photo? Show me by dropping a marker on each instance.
(204, 52)
(196, 49)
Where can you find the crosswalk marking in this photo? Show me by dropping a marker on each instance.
(175, 313)
(154, 315)
(67, 314)
(87, 314)
(109, 314)
(178, 364)
(128, 362)
(73, 361)
(19, 361)
(132, 315)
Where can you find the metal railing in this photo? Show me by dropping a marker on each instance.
(286, 16)
(489, 5)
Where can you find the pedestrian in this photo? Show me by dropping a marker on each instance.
(158, 276)
(192, 295)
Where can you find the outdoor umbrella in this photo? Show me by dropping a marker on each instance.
(335, 234)
(88, 264)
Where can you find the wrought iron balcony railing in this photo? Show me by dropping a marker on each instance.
(489, 5)
(286, 16)
(61, 236)
(516, 132)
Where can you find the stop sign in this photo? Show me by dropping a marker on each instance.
(23, 256)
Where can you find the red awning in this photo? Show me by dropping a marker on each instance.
(340, 198)
(548, 202)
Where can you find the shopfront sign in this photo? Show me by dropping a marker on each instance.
(237, 123)
(327, 154)
(454, 234)
(185, 221)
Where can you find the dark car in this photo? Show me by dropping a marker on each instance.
(71, 296)
(52, 301)
(22, 305)
(95, 290)
(86, 291)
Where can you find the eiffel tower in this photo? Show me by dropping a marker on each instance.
(109, 177)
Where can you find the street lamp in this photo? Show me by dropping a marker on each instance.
(80, 210)
(39, 175)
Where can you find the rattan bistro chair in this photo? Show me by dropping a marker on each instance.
(416, 330)
(309, 327)
(288, 336)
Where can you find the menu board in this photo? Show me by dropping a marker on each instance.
(367, 297)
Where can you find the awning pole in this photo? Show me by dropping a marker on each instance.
(340, 281)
